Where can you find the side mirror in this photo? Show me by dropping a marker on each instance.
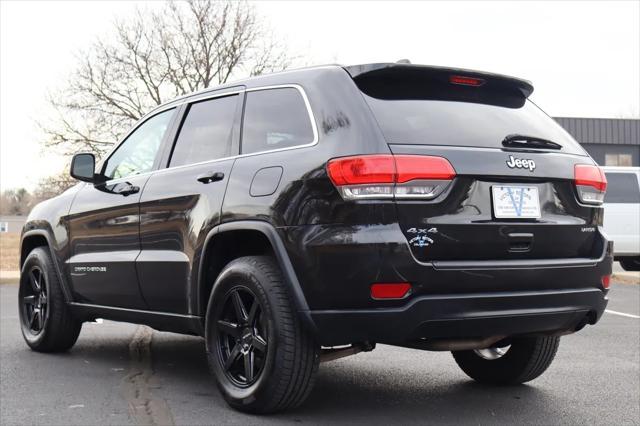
(83, 166)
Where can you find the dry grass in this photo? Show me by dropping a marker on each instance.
(9, 256)
(626, 279)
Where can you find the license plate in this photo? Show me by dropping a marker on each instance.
(515, 201)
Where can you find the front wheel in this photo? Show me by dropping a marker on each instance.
(262, 358)
(524, 360)
(46, 321)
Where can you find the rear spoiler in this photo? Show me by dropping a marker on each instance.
(363, 75)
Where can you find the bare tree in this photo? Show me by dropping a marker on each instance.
(20, 201)
(153, 57)
(15, 202)
(53, 185)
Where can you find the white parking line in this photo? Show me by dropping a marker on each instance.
(622, 314)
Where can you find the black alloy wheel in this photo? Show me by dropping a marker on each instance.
(34, 301)
(262, 358)
(46, 321)
(242, 338)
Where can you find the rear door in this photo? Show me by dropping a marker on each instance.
(181, 203)
(512, 193)
(622, 211)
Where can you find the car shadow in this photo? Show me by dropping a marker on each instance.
(359, 389)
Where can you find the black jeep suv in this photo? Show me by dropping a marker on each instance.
(307, 215)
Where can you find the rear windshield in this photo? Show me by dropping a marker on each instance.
(622, 188)
(444, 122)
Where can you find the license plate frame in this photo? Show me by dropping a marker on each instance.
(515, 202)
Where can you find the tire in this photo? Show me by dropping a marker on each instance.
(630, 263)
(526, 359)
(283, 356)
(45, 319)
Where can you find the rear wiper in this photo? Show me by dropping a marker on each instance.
(521, 141)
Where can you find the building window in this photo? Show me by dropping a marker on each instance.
(617, 160)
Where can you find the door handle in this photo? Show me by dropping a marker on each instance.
(211, 177)
(128, 190)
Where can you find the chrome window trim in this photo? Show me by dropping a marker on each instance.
(207, 96)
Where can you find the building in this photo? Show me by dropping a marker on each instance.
(12, 223)
(610, 141)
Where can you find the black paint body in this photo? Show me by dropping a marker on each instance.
(162, 247)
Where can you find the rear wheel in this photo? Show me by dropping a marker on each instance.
(262, 358)
(46, 321)
(630, 263)
(524, 360)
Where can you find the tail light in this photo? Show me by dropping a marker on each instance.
(591, 183)
(606, 281)
(390, 176)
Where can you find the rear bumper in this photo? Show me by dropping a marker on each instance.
(449, 299)
(464, 316)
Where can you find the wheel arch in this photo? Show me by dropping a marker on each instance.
(41, 238)
(229, 241)
(30, 242)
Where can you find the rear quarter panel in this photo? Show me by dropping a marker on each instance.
(304, 194)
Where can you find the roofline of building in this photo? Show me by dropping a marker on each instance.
(595, 118)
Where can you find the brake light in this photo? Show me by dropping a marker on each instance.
(590, 182)
(365, 169)
(465, 81)
(389, 176)
(390, 290)
(412, 167)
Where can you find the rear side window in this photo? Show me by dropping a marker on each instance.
(206, 132)
(275, 119)
(622, 188)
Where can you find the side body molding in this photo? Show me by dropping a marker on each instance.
(269, 231)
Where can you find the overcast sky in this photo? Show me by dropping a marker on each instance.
(582, 57)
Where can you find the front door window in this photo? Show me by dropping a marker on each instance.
(138, 152)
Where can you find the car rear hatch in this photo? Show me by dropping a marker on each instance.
(518, 187)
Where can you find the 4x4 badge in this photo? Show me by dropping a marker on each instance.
(422, 230)
(521, 163)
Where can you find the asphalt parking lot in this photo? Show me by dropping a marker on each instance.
(124, 374)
